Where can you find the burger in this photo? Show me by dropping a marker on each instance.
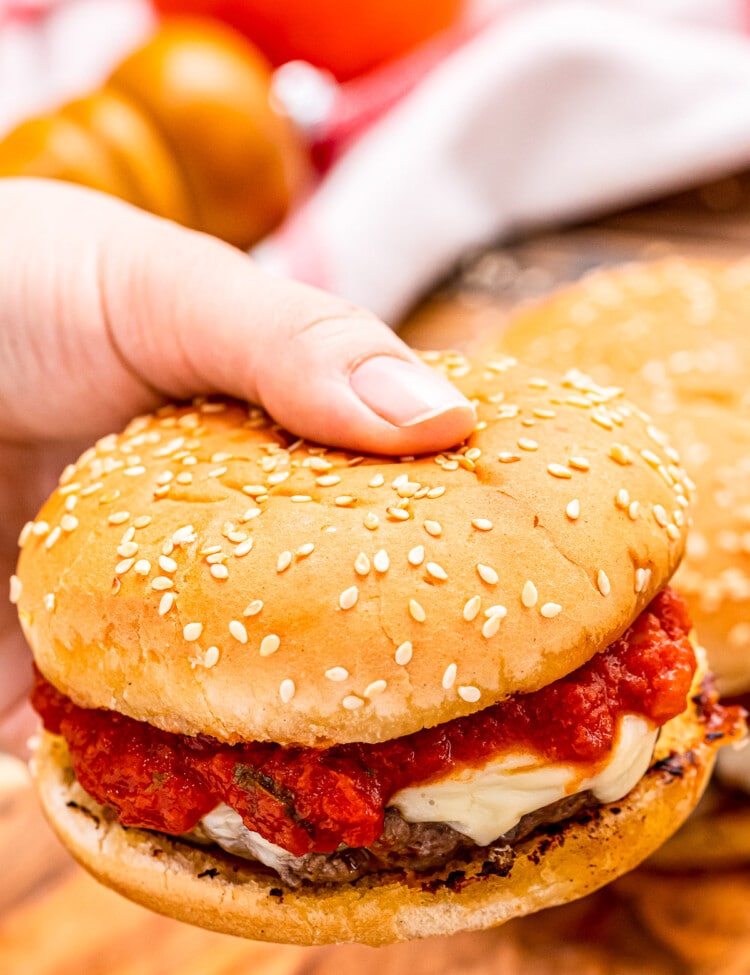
(300, 695)
(674, 335)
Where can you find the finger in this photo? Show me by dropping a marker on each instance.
(144, 309)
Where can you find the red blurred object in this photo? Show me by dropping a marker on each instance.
(344, 37)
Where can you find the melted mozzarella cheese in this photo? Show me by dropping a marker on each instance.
(480, 803)
(733, 765)
(226, 829)
(485, 803)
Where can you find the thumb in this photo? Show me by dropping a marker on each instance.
(129, 309)
(201, 316)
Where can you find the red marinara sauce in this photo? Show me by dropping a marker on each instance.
(308, 799)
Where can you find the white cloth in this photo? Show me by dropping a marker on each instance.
(556, 111)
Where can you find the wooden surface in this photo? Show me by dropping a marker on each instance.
(54, 920)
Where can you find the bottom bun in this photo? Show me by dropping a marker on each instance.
(555, 865)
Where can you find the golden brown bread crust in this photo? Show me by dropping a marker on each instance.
(214, 891)
(492, 524)
(675, 335)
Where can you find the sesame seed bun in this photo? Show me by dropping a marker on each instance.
(203, 573)
(205, 887)
(674, 334)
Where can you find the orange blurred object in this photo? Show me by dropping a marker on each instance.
(184, 128)
(346, 37)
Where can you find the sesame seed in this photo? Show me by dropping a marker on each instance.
(377, 481)
(416, 555)
(287, 690)
(216, 558)
(49, 602)
(41, 528)
(436, 492)
(660, 516)
(497, 610)
(573, 509)
(377, 687)
(209, 550)
(253, 608)
(185, 477)
(68, 523)
(673, 532)
(184, 535)
(399, 514)
(327, 480)
(304, 550)
(127, 549)
(349, 597)
(679, 517)
(491, 625)
(449, 677)
(603, 421)
(526, 444)
(471, 608)
(381, 561)
(351, 702)
(142, 567)
(557, 470)
(404, 653)
(650, 457)
(433, 528)
(15, 589)
(408, 489)
(622, 498)
(602, 583)
(506, 457)
(344, 500)
(166, 603)
(70, 502)
(210, 657)
(238, 631)
(135, 470)
(371, 521)
(124, 566)
(469, 694)
(25, 532)
(640, 579)
(550, 610)
(633, 509)
(243, 548)
(278, 477)
(165, 477)
(300, 498)
(416, 611)
(220, 457)
(337, 674)
(283, 561)
(269, 644)
(482, 524)
(128, 535)
(487, 574)
(192, 631)
(142, 521)
(529, 595)
(118, 517)
(217, 472)
(579, 463)
(361, 564)
(250, 514)
(219, 571)
(544, 414)
(620, 453)
(160, 582)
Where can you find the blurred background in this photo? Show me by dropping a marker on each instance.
(442, 162)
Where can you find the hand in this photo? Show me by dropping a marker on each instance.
(106, 312)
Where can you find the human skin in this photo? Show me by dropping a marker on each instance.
(105, 312)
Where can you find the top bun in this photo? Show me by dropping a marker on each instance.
(380, 595)
(675, 335)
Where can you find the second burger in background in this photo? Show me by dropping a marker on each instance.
(674, 334)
